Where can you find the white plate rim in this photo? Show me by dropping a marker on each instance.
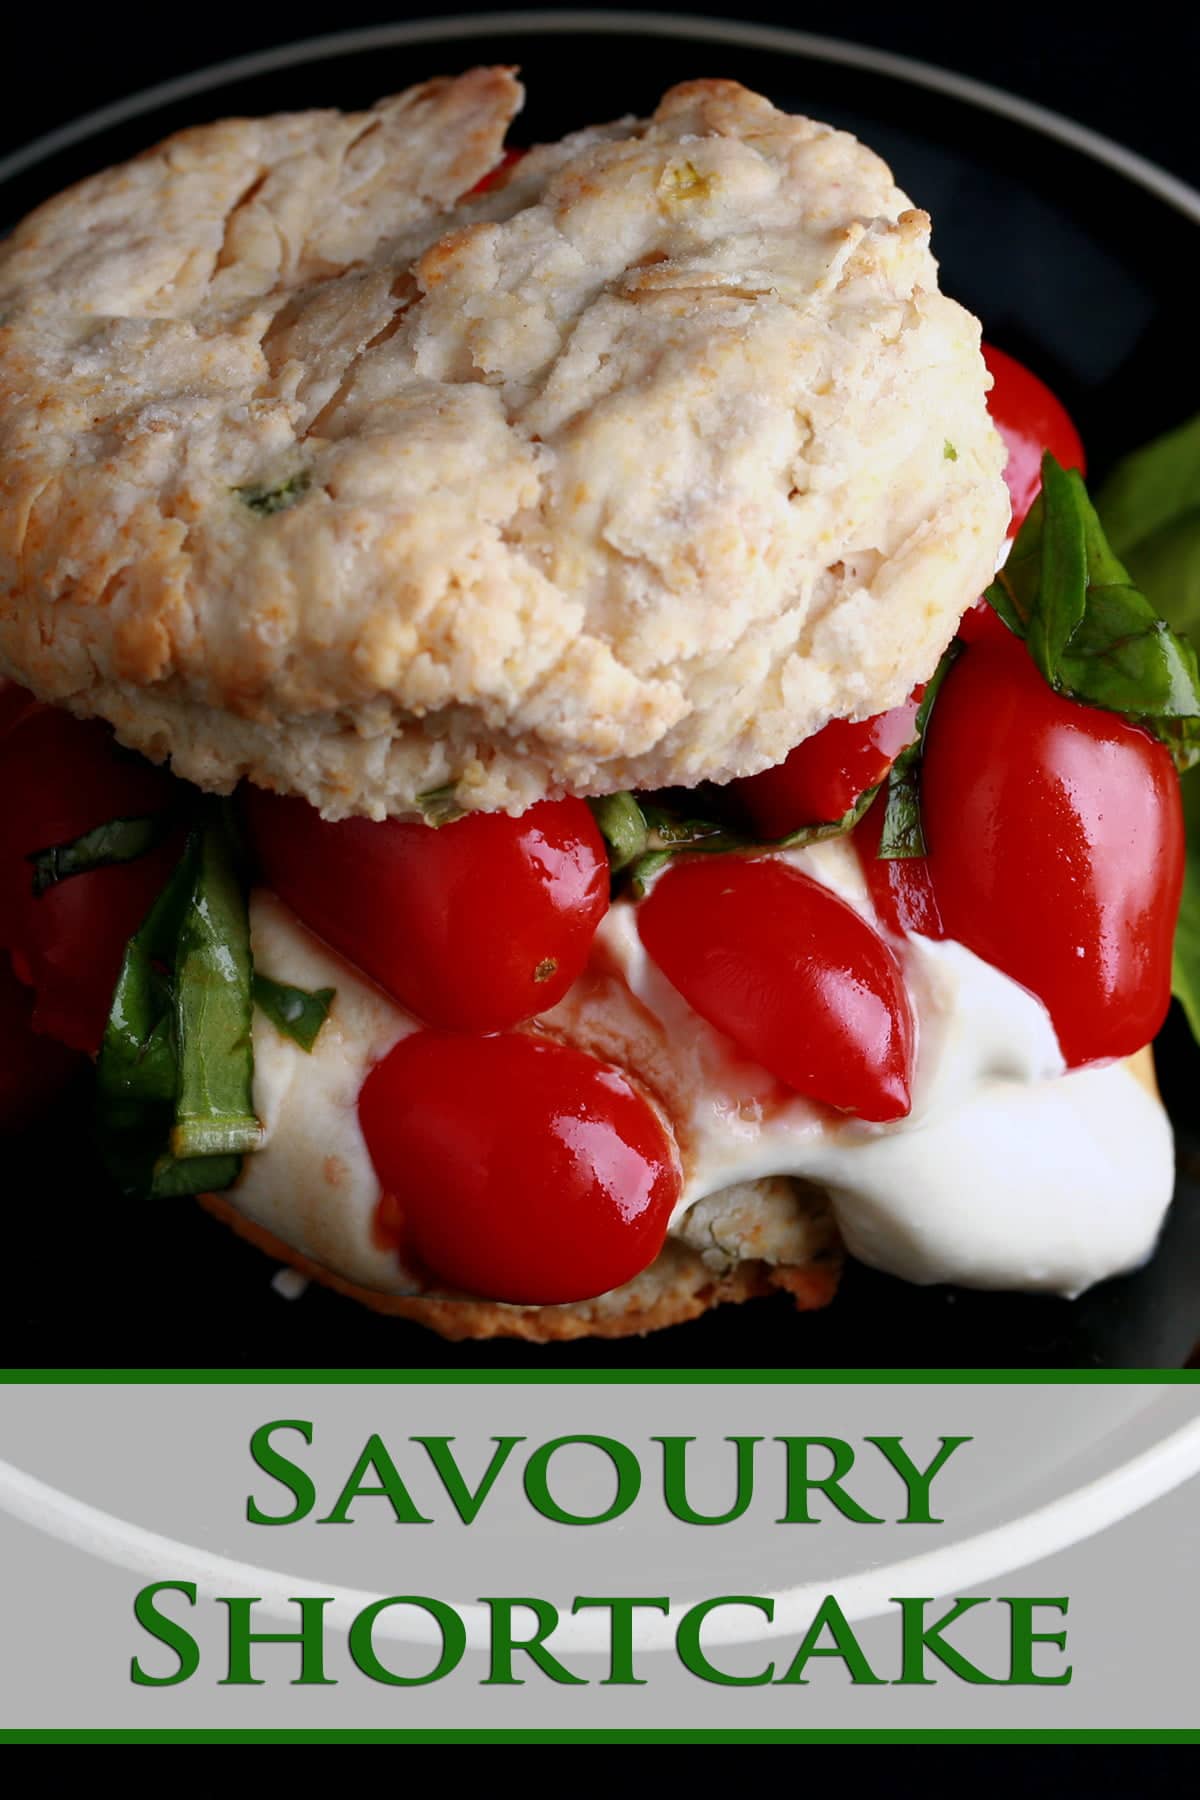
(965, 1563)
(611, 21)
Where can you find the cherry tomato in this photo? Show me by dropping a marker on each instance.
(518, 1168)
(472, 927)
(981, 622)
(495, 177)
(1056, 847)
(1031, 420)
(62, 777)
(823, 777)
(15, 702)
(33, 1069)
(900, 886)
(792, 974)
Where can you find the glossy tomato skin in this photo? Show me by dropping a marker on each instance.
(822, 778)
(14, 703)
(33, 1069)
(901, 887)
(1031, 420)
(1056, 848)
(61, 777)
(982, 622)
(798, 979)
(473, 927)
(517, 1168)
(497, 176)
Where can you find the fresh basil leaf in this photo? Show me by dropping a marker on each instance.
(1166, 567)
(439, 806)
(821, 834)
(1103, 644)
(1104, 566)
(1014, 592)
(1185, 966)
(178, 1180)
(214, 1108)
(137, 1069)
(645, 868)
(669, 831)
(622, 825)
(1062, 591)
(1182, 738)
(119, 841)
(169, 1119)
(1150, 489)
(275, 497)
(296, 1012)
(1150, 511)
(1127, 660)
(901, 834)
(671, 836)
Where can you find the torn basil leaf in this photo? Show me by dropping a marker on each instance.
(1185, 963)
(174, 1077)
(1166, 567)
(669, 834)
(271, 498)
(638, 851)
(296, 1012)
(1150, 509)
(439, 806)
(901, 834)
(1151, 489)
(119, 841)
(214, 1105)
(1094, 636)
(622, 824)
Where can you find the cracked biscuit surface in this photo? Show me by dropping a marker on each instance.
(632, 471)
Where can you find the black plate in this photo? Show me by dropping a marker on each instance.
(1074, 263)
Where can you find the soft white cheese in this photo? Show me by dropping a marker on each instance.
(313, 1183)
(1008, 1173)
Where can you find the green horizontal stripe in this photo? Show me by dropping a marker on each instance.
(614, 1377)
(218, 1736)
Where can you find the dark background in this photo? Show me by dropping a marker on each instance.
(1128, 72)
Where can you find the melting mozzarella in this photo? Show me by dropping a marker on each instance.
(1008, 1173)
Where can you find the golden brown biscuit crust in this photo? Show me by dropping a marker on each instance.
(631, 472)
(676, 1288)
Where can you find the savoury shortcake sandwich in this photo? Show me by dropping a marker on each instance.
(504, 771)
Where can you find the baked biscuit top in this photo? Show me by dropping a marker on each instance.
(633, 470)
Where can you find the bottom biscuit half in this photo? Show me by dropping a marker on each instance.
(686, 1280)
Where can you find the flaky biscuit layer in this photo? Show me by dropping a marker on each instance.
(631, 472)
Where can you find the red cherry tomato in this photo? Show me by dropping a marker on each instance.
(33, 1069)
(518, 1168)
(1056, 846)
(792, 974)
(495, 177)
(900, 886)
(1031, 420)
(472, 927)
(62, 777)
(981, 622)
(14, 703)
(821, 778)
